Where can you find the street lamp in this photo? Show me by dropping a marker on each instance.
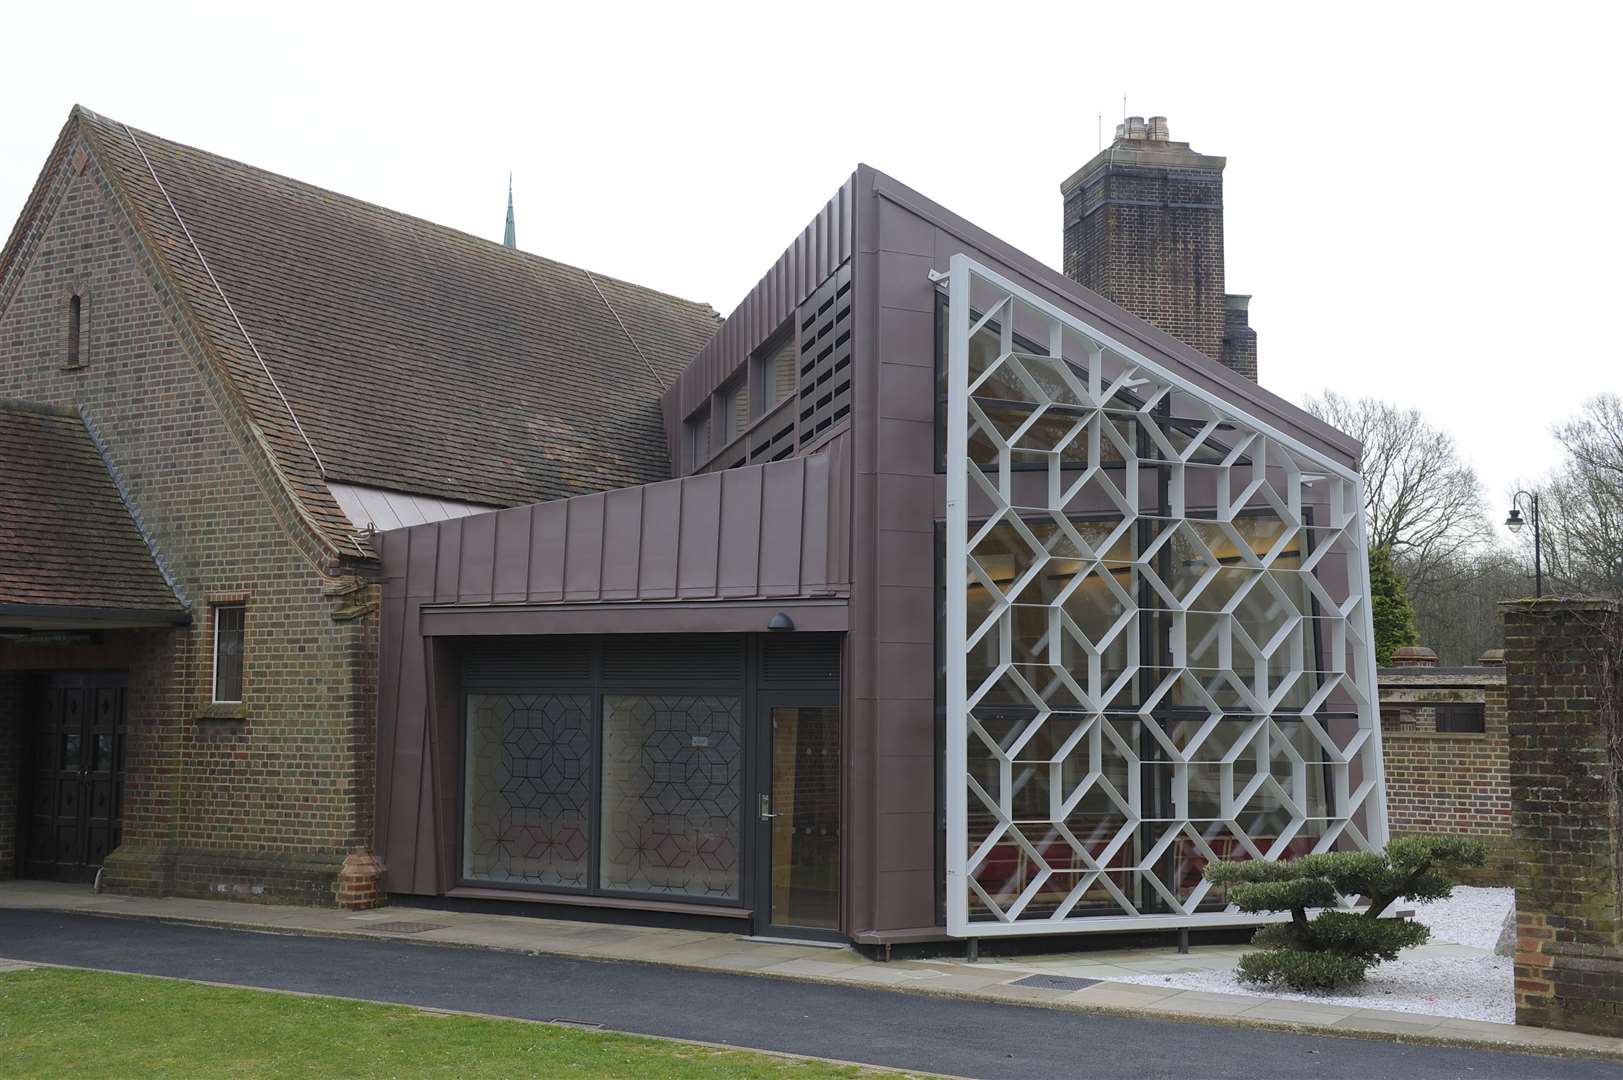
(1514, 524)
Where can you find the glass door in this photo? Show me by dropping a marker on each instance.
(798, 812)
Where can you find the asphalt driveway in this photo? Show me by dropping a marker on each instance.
(875, 1026)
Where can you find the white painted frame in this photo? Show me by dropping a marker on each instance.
(1346, 618)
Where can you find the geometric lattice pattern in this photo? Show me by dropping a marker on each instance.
(1159, 650)
(529, 789)
(672, 793)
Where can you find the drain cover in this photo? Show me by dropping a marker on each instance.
(406, 927)
(1055, 982)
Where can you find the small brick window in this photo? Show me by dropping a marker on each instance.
(1462, 717)
(229, 624)
(75, 312)
(75, 325)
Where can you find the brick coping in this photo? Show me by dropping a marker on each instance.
(720, 951)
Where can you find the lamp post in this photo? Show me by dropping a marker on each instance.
(1514, 524)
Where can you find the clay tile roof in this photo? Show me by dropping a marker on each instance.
(66, 538)
(414, 357)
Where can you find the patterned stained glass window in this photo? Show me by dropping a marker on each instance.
(529, 789)
(672, 773)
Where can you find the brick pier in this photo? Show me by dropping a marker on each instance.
(1562, 658)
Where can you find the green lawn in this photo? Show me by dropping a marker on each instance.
(84, 1023)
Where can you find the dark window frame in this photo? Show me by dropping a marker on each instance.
(75, 330)
(239, 657)
(762, 377)
(751, 684)
(1461, 717)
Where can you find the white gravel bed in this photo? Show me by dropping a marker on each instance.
(1472, 916)
(1421, 980)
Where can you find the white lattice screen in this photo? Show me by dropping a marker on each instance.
(1158, 643)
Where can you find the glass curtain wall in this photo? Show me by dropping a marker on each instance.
(1158, 654)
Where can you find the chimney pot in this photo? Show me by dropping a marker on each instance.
(1136, 128)
(1158, 128)
(1413, 656)
(1493, 658)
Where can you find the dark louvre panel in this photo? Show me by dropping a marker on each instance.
(775, 439)
(637, 660)
(825, 356)
(1462, 716)
(801, 659)
(529, 662)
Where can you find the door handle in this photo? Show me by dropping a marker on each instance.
(766, 808)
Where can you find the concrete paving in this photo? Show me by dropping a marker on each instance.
(988, 981)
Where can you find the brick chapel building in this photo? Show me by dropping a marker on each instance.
(343, 554)
(217, 384)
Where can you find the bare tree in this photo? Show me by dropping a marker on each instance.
(1582, 503)
(1423, 503)
(1462, 621)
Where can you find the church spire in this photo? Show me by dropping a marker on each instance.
(508, 237)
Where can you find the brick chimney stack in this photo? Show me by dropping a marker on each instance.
(1144, 228)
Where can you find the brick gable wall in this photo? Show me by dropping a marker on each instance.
(269, 800)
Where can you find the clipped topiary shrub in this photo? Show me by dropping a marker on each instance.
(1336, 947)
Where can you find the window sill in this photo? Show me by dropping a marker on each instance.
(223, 710)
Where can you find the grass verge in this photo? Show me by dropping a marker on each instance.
(56, 1022)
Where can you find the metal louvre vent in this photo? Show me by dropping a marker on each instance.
(801, 659)
(529, 661)
(666, 658)
(824, 322)
(776, 441)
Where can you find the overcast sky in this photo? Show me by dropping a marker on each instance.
(1422, 198)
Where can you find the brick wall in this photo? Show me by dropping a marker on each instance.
(1564, 659)
(1143, 225)
(1151, 240)
(1239, 340)
(269, 800)
(1448, 782)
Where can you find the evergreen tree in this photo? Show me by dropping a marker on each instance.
(1389, 602)
(1337, 947)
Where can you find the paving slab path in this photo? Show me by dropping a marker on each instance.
(873, 1026)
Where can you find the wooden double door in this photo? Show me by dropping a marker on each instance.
(73, 777)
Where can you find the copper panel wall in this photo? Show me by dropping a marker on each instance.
(768, 531)
(819, 250)
(897, 495)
